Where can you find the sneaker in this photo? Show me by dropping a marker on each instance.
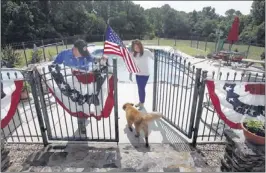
(141, 106)
(137, 105)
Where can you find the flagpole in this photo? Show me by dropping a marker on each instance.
(107, 25)
(105, 35)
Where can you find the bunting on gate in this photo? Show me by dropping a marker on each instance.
(81, 93)
(10, 96)
(235, 100)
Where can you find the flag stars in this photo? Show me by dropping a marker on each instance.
(252, 111)
(74, 95)
(246, 111)
(53, 69)
(62, 86)
(228, 88)
(231, 99)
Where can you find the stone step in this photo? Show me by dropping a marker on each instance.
(107, 158)
(73, 169)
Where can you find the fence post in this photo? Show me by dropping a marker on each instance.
(66, 42)
(175, 41)
(248, 50)
(43, 106)
(195, 101)
(199, 108)
(216, 42)
(25, 55)
(190, 41)
(206, 44)
(154, 98)
(198, 43)
(43, 51)
(158, 41)
(37, 107)
(115, 100)
(56, 46)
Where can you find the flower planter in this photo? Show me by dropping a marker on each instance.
(252, 137)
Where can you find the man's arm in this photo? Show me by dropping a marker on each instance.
(59, 58)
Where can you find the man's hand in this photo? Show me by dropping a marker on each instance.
(103, 61)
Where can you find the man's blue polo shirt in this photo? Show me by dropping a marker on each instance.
(67, 58)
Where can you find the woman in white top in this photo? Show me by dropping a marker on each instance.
(141, 57)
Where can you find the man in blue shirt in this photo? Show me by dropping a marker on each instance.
(77, 57)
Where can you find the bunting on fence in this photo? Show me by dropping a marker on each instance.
(81, 93)
(233, 101)
(10, 96)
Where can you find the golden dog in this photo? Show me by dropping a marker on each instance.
(139, 119)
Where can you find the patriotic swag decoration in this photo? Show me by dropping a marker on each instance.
(113, 45)
(233, 101)
(81, 93)
(11, 88)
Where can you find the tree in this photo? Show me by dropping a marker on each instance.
(230, 13)
(258, 12)
(17, 22)
(35, 20)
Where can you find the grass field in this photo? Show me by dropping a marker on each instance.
(182, 45)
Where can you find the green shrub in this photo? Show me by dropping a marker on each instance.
(10, 55)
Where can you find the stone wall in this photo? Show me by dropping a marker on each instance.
(242, 156)
(5, 160)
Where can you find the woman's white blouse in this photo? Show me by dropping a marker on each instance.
(142, 62)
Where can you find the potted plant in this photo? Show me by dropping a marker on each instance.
(254, 131)
(25, 91)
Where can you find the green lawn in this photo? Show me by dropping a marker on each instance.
(182, 45)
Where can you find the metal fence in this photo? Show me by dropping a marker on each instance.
(40, 118)
(26, 125)
(48, 48)
(25, 53)
(174, 90)
(211, 127)
(180, 94)
(251, 50)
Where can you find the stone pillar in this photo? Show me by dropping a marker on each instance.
(242, 156)
(5, 160)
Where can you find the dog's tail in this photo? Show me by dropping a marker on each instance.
(152, 116)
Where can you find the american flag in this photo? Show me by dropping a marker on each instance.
(114, 45)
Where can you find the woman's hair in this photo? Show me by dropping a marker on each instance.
(137, 42)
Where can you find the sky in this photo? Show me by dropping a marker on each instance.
(188, 6)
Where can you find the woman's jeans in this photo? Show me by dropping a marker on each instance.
(141, 82)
